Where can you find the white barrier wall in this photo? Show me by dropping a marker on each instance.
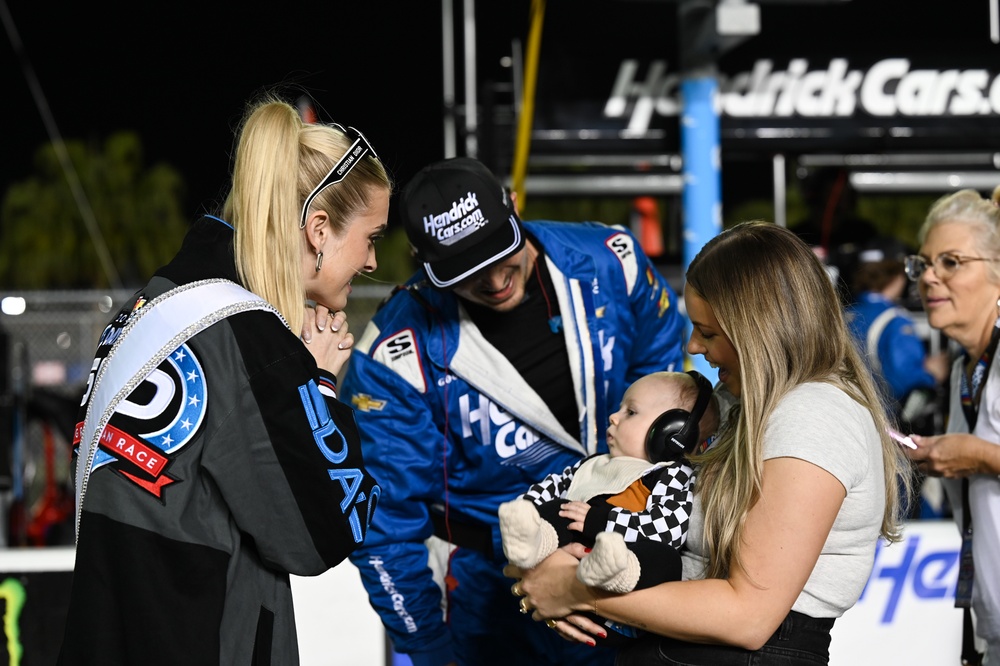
(335, 623)
(907, 613)
(905, 616)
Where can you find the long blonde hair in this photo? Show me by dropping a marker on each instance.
(775, 302)
(279, 160)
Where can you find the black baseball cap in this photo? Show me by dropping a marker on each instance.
(883, 249)
(459, 219)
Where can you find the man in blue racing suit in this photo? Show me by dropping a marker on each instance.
(885, 331)
(495, 365)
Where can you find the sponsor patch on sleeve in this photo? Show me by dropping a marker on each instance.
(664, 303)
(398, 352)
(366, 403)
(623, 246)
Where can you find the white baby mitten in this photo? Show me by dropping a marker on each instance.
(610, 565)
(527, 539)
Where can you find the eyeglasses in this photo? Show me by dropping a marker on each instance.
(945, 265)
(338, 172)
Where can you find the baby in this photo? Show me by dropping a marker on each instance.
(632, 504)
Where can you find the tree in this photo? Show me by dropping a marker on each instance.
(45, 243)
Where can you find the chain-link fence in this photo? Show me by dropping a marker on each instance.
(53, 339)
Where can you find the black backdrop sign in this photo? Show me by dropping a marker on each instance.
(844, 76)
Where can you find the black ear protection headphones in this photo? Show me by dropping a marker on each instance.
(674, 433)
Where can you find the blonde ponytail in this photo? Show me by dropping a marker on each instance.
(279, 160)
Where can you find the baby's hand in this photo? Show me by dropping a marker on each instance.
(576, 512)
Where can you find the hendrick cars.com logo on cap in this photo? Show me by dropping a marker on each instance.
(463, 218)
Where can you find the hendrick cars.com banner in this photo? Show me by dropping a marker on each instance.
(910, 86)
(831, 89)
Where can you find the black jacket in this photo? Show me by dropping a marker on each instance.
(264, 477)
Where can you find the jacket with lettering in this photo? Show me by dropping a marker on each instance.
(427, 387)
(231, 466)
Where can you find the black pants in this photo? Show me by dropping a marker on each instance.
(799, 641)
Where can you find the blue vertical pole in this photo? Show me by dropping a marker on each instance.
(701, 199)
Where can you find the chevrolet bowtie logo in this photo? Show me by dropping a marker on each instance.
(366, 403)
(664, 303)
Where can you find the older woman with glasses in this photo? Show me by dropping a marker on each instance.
(958, 274)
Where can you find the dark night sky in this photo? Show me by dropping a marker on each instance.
(180, 77)
(180, 73)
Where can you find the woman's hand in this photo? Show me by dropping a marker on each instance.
(551, 592)
(578, 628)
(327, 338)
(954, 456)
(576, 512)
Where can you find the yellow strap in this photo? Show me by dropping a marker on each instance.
(523, 146)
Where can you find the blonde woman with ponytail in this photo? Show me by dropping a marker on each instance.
(213, 457)
(793, 496)
(283, 253)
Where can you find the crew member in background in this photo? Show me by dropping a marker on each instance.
(898, 357)
(497, 363)
(885, 331)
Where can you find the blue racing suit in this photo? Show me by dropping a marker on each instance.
(888, 340)
(450, 430)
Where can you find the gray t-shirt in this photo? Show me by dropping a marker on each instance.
(821, 424)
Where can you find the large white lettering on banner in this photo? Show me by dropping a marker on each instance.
(890, 87)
